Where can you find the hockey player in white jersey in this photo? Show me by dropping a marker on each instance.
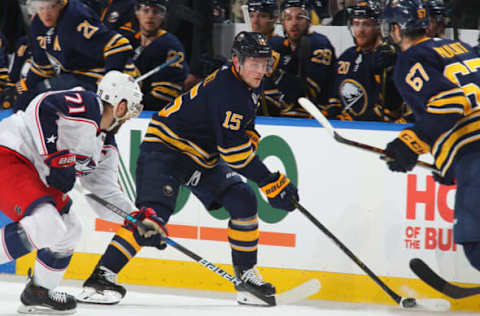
(62, 135)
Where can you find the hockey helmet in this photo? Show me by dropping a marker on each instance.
(116, 87)
(269, 6)
(438, 10)
(160, 4)
(409, 15)
(369, 9)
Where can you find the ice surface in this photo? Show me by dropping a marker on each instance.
(165, 301)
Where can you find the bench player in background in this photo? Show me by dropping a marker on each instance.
(439, 16)
(4, 78)
(305, 67)
(62, 135)
(70, 48)
(440, 80)
(263, 15)
(154, 46)
(364, 83)
(204, 140)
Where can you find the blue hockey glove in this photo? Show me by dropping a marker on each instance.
(403, 159)
(153, 231)
(279, 191)
(62, 170)
(443, 180)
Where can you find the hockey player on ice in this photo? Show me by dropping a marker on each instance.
(62, 135)
(203, 140)
(439, 79)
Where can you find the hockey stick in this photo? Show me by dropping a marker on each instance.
(158, 68)
(293, 295)
(427, 275)
(404, 302)
(315, 112)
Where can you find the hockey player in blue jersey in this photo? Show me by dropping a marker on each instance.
(204, 140)
(263, 15)
(71, 47)
(364, 85)
(153, 47)
(61, 136)
(439, 16)
(305, 67)
(440, 80)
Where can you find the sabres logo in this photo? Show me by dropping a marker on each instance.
(354, 97)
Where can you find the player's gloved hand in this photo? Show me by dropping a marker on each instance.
(21, 86)
(254, 137)
(385, 56)
(62, 170)
(443, 180)
(400, 157)
(279, 191)
(8, 97)
(153, 231)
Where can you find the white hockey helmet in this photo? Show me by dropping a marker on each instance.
(116, 87)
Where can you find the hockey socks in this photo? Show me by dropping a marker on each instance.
(243, 237)
(121, 249)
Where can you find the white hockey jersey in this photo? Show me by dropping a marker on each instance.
(69, 119)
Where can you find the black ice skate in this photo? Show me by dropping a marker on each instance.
(39, 300)
(253, 290)
(101, 288)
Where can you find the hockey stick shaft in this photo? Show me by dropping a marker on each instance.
(397, 298)
(204, 262)
(158, 68)
(315, 112)
(427, 275)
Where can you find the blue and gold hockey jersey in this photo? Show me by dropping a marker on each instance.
(440, 80)
(3, 63)
(361, 84)
(211, 122)
(318, 83)
(164, 86)
(78, 44)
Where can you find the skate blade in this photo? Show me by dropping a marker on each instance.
(91, 296)
(42, 310)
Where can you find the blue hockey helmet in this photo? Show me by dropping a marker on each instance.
(302, 4)
(438, 10)
(250, 44)
(368, 9)
(162, 4)
(409, 15)
(269, 6)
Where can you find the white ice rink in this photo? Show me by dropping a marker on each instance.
(156, 301)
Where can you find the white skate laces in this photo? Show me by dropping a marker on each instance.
(56, 296)
(253, 276)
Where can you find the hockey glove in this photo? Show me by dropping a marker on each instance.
(8, 97)
(62, 170)
(279, 191)
(403, 159)
(443, 180)
(405, 150)
(152, 232)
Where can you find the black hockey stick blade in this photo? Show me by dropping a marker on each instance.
(427, 275)
(404, 302)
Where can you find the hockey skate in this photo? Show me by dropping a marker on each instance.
(101, 288)
(39, 300)
(253, 290)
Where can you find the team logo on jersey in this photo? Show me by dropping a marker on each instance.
(354, 97)
(113, 17)
(168, 190)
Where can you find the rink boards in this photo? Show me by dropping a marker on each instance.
(384, 218)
